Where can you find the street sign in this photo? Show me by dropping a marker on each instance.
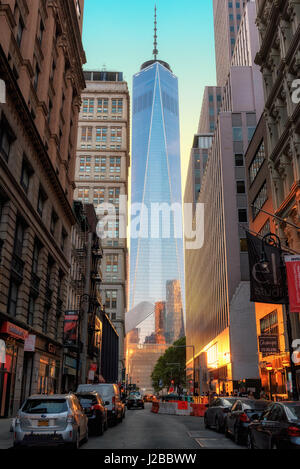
(268, 344)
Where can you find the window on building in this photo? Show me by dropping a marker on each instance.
(83, 195)
(36, 76)
(260, 200)
(116, 134)
(237, 134)
(269, 323)
(7, 137)
(115, 165)
(85, 164)
(102, 106)
(31, 309)
(239, 159)
(112, 263)
(266, 229)
(26, 174)
(111, 299)
(19, 238)
(117, 106)
(114, 195)
(86, 134)
(88, 105)
(42, 197)
(257, 162)
(240, 187)
(21, 27)
(251, 132)
(45, 323)
(99, 195)
(243, 216)
(41, 32)
(244, 245)
(13, 298)
(35, 257)
(63, 240)
(54, 220)
(101, 134)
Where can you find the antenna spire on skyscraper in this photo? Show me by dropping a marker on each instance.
(155, 51)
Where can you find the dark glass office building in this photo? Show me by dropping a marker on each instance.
(156, 254)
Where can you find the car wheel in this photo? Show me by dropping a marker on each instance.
(227, 434)
(218, 426)
(205, 422)
(249, 441)
(86, 438)
(76, 445)
(106, 425)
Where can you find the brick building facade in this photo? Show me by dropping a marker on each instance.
(41, 58)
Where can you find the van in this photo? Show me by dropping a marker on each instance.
(111, 396)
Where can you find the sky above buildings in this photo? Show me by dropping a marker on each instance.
(118, 35)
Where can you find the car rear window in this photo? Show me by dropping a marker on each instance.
(293, 411)
(87, 400)
(45, 406)
(256, 405)
(106, 390)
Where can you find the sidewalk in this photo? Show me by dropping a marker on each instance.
(5, 435)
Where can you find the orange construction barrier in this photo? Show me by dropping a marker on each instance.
(155, 407)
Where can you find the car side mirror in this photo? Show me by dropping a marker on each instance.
(226, 410)
(207, 406)
(107, 403)
(255, 417)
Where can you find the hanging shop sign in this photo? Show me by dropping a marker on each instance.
(71, 328)
(267, 279)
(29, 345)
(293, 278)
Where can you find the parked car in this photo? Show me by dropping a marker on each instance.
(242, 413)
(135, 400)
(51, 420)
(277, 428)
(111, 397)
(95, 411)
(215, 415)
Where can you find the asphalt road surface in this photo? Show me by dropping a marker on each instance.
(141, 429)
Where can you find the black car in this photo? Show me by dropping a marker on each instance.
(217, 411)
(242, 413)
(135, 400)
(277, 428)
(95, 410)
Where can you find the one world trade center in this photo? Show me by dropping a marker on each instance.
(156, 315)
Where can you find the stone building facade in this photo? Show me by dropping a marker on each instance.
(102, 177)
(41, 57)
(279, 59)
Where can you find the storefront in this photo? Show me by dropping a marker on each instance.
(12, 339)
(48, 362)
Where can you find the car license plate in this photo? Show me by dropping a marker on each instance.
(43, 423)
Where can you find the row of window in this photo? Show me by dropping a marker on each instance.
(99, 164)
(102, 106)
(113, 195)
(17, 280)
(7, 139)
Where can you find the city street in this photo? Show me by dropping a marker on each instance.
(142, 429)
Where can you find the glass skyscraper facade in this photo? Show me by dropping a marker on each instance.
(155, 316)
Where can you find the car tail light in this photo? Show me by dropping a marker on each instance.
(244, 418)
(96, 407)
(70, 418)
(293, 431)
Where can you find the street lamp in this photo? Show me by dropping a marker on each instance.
(83, 298)
(271, 239)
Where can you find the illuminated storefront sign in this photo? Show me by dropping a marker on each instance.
(14, 331)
